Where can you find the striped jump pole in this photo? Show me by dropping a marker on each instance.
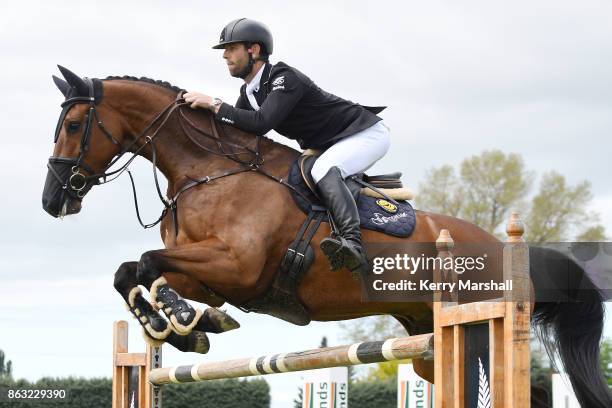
(420, 346)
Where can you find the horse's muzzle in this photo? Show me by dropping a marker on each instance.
(63, 191)
(58, 204)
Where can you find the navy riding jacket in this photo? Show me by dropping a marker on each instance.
(294, 106)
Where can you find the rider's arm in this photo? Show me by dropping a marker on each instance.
(285, 92)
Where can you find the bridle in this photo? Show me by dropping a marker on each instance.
(76, 184)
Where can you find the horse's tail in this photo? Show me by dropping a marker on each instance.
(573, 327)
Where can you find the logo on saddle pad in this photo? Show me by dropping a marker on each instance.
(387, 206)
(380, 219)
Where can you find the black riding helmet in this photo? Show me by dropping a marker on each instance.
(247, 31)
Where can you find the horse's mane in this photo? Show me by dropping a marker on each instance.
(164, 84)
(167, 85)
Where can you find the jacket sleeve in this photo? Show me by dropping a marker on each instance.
(285, 92)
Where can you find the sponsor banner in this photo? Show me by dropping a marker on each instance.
(326, 388)
(412, 390)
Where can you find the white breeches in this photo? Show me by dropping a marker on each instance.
(354, 154)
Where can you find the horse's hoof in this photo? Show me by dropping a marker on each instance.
(215, 321)
(194, 342)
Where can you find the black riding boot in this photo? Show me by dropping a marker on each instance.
(347, 250)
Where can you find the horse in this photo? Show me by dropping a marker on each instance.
(230, 218)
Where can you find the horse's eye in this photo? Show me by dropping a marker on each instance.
(73, 126)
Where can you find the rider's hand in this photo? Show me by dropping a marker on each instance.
(198, 100)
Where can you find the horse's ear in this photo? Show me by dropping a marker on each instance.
(61, 85)
(75, 81)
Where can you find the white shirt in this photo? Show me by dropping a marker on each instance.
(253, 86)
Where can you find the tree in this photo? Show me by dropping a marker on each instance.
(441, 192)
(492, 184)
(558, 208)
(6, 367)
(606, 360)
(489, 186)
(595, 233)
(366, 329)
(298, 402)
(384, 371)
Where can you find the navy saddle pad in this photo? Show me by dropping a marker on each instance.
(375, 213)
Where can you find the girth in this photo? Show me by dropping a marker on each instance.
(281, 299)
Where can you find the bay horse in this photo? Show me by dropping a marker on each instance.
(231, 217)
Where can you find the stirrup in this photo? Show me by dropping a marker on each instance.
(332, 248)
(342, 254)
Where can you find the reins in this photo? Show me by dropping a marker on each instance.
(254, 163)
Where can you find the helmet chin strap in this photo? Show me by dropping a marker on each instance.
(248, 68)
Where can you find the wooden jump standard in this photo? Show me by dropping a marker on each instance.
(131, 386)
(481, 350)
(482, 356)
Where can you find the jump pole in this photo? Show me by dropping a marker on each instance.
(420, 346)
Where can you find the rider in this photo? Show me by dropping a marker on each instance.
(279, 97)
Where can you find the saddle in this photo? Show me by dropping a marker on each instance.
(385, 185)
(381, 199)
(382, 205)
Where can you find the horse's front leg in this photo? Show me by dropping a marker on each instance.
(210, 262)
(154, 325)
(156, 328)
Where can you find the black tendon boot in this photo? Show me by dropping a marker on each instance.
(346, 250)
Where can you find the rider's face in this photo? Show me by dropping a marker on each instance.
(236, 57)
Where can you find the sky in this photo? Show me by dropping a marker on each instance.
(458, 78)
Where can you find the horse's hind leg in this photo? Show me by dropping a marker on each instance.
(423, 368)
(183, 260)
(156, 328)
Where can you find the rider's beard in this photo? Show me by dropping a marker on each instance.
(243, 70)
(237, 72)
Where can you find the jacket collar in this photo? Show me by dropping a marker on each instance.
(263, 84)
(260, 95)
(265, 76)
